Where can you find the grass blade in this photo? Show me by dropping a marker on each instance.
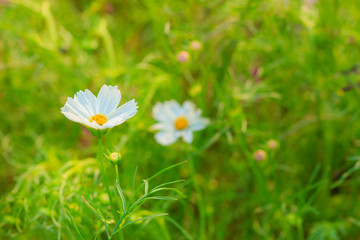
(157, 174)
(168, 183)
(122, 196)
(93, 209)
(182, 230)
(149, 217)
(163, 198)
(74, 225)
(169, 189)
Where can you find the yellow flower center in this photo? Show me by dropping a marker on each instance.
(99, 118)
(181, 123)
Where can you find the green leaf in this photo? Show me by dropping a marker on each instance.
(163, 198)
(156, 174)
(121, 196)
(169, 189)
(182, 230)
(168, 183)
(93, 209)
(74, 225)
(148, 217)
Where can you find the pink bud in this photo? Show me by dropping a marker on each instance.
(272, 144)
(260, 155)
(195, 45)
(183, 56)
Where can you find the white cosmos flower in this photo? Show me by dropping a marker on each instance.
(175, 121)
(99, 112)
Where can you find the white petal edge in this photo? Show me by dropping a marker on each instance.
(108, 99)
(160, 114)
(189, 108)
(128, 108)
(173, 109)
(69, 115)
(166, 138)
(199, 124)
(121, 114)
(86, 101)
(187, 136)
(162, 126)
(75, 109)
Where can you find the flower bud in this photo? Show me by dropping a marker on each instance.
(195, 45)
(311, 2)
(260, 155)
(272, 144)
(115, 157)
(183, 56)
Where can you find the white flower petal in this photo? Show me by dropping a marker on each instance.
(76, 108)
(187, 136)
(160, 114)
(121, 114)
(115, 121)
(69, 115)
(166, 137)
(87, 103)
(194, 116)
(188, 108)
(126, 111)
(108, 99)
(173, 109)
(162, 126)
(198, 124)
(91, 99)
(92, 124)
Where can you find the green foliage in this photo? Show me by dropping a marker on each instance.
(268, 69)
(327, 231)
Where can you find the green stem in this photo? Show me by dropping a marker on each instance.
(300, 230)
(117, 173)
(108, 43)
(106, 182)
(118, 180)
(200, 201)
(259, 177)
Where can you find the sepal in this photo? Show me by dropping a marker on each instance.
(99, 133)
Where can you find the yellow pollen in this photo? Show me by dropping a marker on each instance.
(181, 123)
(99, 118)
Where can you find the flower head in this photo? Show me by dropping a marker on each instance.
(177, 121)
(99, 112)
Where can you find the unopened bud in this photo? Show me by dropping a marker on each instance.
(311, 2)
(195, 45)
(272, 144)
(115, 157)
(260, 155)
(183, 56)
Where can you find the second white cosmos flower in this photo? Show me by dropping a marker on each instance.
(177, 121)
(99, 112)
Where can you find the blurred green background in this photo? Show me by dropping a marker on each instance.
(268, 69)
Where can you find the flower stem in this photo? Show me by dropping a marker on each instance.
(106, 182)
(117, 173)
(118, 181)
(200, 201)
